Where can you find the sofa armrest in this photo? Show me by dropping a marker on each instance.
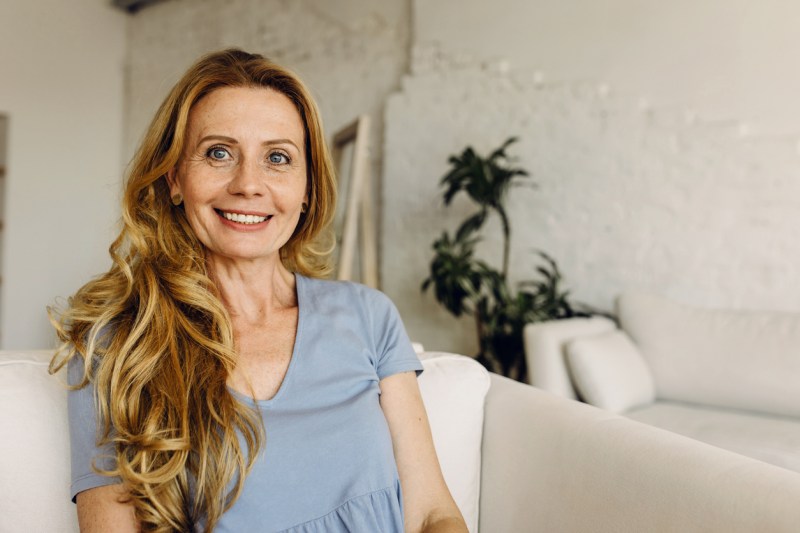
(550, 464)
(544, 350)
(34, 447)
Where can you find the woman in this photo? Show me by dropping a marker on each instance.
(219, 383)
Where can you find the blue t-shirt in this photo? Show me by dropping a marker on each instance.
(328, 464)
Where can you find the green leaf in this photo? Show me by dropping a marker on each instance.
(471, 225)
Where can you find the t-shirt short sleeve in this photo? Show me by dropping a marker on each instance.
(394, 351)
(84, 451)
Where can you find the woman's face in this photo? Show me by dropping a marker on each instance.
(243, 173)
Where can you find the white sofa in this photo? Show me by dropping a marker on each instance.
(544, 463)
(728, 378)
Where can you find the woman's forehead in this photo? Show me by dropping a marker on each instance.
(247, 112)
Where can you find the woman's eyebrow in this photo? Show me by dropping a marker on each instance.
(281, 141)
(223, 138)
(231, 140)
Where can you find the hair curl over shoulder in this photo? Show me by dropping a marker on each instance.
(152, 333)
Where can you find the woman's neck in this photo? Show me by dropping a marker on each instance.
(251, 291)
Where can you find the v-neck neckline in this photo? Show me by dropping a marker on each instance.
(301, 300)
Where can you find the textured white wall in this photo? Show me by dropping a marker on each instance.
(731, 58)
(61, 65)
(663, 137)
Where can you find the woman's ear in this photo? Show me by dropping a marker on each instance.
(172, 181)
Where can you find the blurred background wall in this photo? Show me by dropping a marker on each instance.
(663, 136)
(61, 90)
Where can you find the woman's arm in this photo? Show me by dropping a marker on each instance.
(100, 510)
(429, 507)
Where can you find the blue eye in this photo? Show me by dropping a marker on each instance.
(217, 153)
(277, 158)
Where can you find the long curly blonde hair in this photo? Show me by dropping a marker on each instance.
(152, 332)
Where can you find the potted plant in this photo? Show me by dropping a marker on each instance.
(464, 284)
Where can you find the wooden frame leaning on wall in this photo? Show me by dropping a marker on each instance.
(357, 257)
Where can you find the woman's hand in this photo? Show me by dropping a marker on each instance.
(428, 505)
(100, 511)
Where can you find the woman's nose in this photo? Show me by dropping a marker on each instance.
(248, 179)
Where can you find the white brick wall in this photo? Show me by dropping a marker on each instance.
(628, 196)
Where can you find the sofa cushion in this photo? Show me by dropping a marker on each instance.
(545, 353)
(772, 439)
(737, 359)
(609, 372)
(34, 448)
(454, 389)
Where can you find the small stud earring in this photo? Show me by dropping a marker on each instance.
(304, 207)
(177, 199)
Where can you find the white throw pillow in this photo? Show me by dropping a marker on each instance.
(609, 372)
(34, 447)
(454, 388)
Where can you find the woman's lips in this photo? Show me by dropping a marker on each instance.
(240, 219)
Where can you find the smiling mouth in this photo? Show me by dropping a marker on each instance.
(241, 218)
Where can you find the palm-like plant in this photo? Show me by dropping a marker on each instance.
(486, 181)
(465, 285)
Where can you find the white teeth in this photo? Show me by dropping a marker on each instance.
(243, 219)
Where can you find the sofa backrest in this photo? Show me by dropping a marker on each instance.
(35, 453)
(736, 359)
